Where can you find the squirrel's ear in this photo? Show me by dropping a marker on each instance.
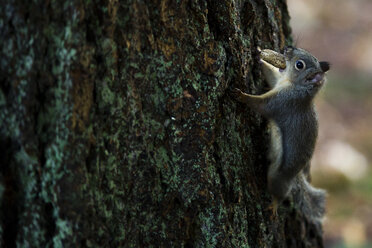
(324, 65)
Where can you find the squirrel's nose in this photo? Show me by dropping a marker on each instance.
(325, 66)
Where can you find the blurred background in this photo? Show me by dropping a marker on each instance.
(340, 31)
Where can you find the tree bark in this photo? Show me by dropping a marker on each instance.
(117, 129)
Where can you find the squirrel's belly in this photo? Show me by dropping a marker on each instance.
(276, 148)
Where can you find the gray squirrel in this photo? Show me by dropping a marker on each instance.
(295, 77)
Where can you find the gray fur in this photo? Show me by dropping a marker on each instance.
(294, 127)
(309, 200)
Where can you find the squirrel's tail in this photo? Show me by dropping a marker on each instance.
(310, 201)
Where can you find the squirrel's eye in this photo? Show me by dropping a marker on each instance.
(300, 65)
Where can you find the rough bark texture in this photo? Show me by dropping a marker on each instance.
(117, 129)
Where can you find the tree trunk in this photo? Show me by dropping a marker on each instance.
(117, 129)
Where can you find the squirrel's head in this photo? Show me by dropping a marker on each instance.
(295, 67)
(303, 69)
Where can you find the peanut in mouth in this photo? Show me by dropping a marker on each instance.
(274, 58)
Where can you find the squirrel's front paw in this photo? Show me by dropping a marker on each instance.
(237, 94)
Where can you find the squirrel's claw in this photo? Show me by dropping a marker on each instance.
(274, 209)
(237, 94)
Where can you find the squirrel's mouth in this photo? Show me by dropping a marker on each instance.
(316, 78)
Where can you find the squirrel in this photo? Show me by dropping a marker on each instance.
(295, 77)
